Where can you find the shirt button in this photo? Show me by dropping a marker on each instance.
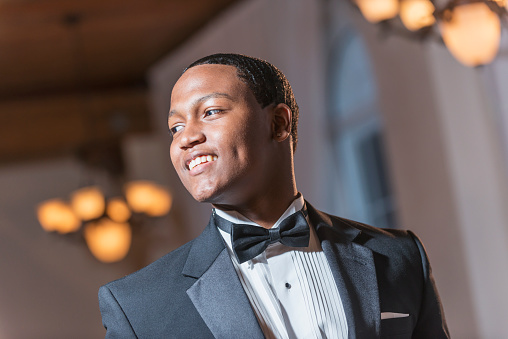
(288, 286)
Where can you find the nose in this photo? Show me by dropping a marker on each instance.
(192, 135)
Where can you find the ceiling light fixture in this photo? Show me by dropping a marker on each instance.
(470, 29)
(105, 218)
(105, 223)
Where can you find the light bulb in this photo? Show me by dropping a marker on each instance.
(108, 241)
(118, 210)
(88, 203)
(416, 14)
(57, 215)
(378, 10)
(472, 34)
(147, 197)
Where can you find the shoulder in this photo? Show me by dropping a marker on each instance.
(353, 229)
(152, 300)
(370, 234)
(167, 268)
(396, 243)
(149, 297)
(396, 253)
(389, 242)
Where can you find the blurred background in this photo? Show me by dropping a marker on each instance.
(395, 131)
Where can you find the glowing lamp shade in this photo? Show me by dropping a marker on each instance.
(146, 197)
(472, 34)
(118, 210)
(378, 10)
(108, 241)
(416, 14)
(502, 3)
(161, 203)
(88, 203)
(56, 215)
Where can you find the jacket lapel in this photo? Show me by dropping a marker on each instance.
(354, 271)
(217, 293)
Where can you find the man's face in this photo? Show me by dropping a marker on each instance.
(222, 138)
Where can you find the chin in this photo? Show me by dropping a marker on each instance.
(203, 195)
(212, 197)
(215, 193)
(199, 196)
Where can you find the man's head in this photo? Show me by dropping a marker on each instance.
(268, 84)
(230, 145)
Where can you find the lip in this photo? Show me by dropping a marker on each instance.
(195, 155)
(200, 168)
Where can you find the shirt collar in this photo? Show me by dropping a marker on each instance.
(237, 218)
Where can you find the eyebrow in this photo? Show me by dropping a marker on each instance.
(204, 98)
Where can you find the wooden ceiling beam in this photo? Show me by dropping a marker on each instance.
(50, 126)
(61, 45)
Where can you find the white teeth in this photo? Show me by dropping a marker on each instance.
(201, 160)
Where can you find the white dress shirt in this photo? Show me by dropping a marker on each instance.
(291, 289)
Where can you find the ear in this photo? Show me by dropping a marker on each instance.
(281, 122)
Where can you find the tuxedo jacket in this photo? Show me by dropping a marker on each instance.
(194, 291)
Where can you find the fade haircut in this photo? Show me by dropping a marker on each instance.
(268, 84)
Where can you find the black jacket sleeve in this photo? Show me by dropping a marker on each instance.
(113, 318)
(431, 321)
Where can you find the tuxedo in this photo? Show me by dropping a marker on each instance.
(194, 291)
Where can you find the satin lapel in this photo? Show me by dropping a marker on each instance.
(217, 293)
(354, 272)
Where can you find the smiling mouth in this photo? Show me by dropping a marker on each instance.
(203, 159)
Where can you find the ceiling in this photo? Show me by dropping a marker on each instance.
(67, 65)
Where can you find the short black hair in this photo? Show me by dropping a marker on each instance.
(266, 81)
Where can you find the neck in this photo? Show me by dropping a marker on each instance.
(264, 213)
(265, 206)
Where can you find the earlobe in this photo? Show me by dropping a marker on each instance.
(281, 122)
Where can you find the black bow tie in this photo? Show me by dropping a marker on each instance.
(248, 241)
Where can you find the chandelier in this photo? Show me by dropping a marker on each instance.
(105, 221)
(104, 218)
(470, 29)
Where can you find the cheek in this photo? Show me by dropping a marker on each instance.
(173, 154)
(255, 139)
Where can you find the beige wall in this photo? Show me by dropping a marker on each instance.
(475, 158)
(420, 170)
(48, 285)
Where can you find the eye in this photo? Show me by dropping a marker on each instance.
(212, 112)
(175, 129)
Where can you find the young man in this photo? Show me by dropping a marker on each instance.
(268, 264)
